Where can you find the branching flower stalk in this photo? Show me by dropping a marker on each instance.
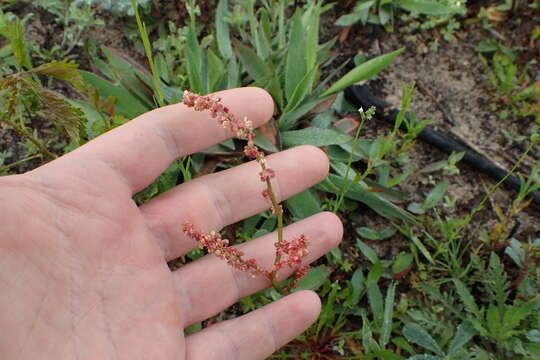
(289, 253)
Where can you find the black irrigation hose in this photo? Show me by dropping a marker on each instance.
(361, 96)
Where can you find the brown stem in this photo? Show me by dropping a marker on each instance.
(279, 214)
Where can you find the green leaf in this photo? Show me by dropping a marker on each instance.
(63, 70)
(296, 65)
(263, 142)
(358, 284)
(314, 278)
(194, 62)
(435, 195)
(312, 42)
(304, 204)
(333, 184)
(375, 300)
(363, 71)
(216, 69)
(127, 105)
(386, 329)
(359, 13)
(301, 90)
(465, 332)
(348, 19)
(255, 66)
(466, 297)
(374, 274)
(372, 234)
(288, 120)
(402, 262)
(516, 313)
(13, 30)
(422, 248)
(368, 252)
(416, 334)
(233, 73)
(425, 7)
(313, 136)
(222, 30)
(494, 321)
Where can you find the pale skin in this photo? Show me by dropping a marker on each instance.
(83, 270)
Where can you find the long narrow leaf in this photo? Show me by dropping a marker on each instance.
(296, 66)
(383, 207)
(222, 30)
(386, 329)
(194, 62)
(363, 71)
(255, 66)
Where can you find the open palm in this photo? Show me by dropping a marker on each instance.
(83, 272)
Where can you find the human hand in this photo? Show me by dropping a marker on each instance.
(83, 270)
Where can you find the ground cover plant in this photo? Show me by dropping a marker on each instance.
(438, 262)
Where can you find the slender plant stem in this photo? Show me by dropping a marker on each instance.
(279, 215)
(346, 184)
(497, 185)
(148, 49)
(25, 133)
(19, 162)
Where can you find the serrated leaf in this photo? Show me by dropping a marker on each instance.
(416, 334)
(363, 72)
(63, 70)
(514, 314)
(313, 136)
(493, 321)
(466, 297)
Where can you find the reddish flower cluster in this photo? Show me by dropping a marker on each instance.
(291, 252)
(267, 174)
(220, 248)
(288, 253)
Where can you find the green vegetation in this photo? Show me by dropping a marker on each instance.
(452, 286)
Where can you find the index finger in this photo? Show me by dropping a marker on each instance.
(140, 150)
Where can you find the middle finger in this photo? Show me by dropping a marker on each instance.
(217, 200)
